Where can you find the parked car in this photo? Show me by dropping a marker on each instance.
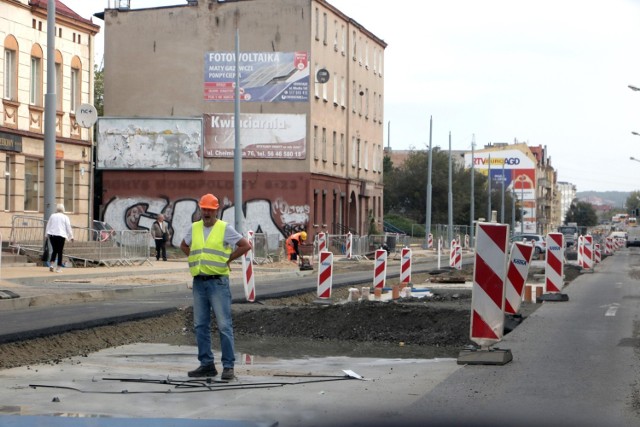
(540, 242)
(633, 236)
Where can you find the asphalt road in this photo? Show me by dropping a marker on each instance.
(138, 303)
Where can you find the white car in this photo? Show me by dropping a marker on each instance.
(540, 242)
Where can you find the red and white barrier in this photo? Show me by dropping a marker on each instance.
(517, 271)
(322, 242)
(488, 292)
(587, 252)
(466, 241)
(554, 266)
(430, 241)
(608, 246)
(380, 269)
(325, 274)
(597, 254)
(405, 266)
(455, 255)
(247, 271)
(349, 245)
(580, 244)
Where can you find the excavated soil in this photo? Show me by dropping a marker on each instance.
(294, 327)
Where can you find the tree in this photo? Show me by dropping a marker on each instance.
(98, 90)
(582, 213)
(633, 202)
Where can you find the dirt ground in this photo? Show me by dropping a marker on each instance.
(297, 326)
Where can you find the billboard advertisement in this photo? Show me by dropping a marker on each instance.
(264, 76)
(146, 143)
(519, 174)
(262, 136)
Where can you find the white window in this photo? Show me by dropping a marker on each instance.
(324, 144)
(315, 142)
(335, 37)
(10, 80)
(325, 97)
(354, 151)
(342, 149)
(344, 40)
(75, 89)
(366, 103)
(7, 183)
(317, 24)
(31, 185)
(353, 96)
(59, 86)
(366, 54)
(35, 83)
(336, 83)
(325, 29)
(335, 147)
(343, 91)
(366, 155)
(69, 187)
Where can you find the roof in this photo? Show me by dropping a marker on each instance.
(61, 9)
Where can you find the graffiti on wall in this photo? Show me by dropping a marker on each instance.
(260, 215)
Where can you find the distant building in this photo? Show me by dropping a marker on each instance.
(567, 193)
(23, 30)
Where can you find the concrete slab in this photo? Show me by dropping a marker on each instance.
(148, 381)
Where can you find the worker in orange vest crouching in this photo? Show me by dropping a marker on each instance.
(293, 245)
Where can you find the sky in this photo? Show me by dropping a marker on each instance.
(551, 73)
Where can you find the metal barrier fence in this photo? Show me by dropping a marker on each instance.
(266, 248)
(363, 246)
(89, 248)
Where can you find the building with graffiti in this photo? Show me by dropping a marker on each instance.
(24, 84)
(311, 116)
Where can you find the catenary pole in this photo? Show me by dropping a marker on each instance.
(237, 156)
(450, 194)
(472, 209)
(50, 115)
(427, 228)
(502, 179)
(489, 190)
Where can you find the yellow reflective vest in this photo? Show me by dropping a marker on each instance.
(210, 257)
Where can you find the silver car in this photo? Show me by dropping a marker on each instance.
(540, 242)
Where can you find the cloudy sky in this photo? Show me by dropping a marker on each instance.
(553, 73)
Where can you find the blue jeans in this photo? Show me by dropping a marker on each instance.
(215, 294)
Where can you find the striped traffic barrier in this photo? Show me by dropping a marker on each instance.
(580, 244)
(597, 254)
(554, 269)
(325, 274)
(349, 245)
(380, 269)
(517, 271)
(608, 248)
(455, 255)
(322, 242)
(430, 241)
(248, 277)
(587, 252)
(487, 298)
(405, 267)
(466, 241)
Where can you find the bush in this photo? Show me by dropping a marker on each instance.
(405, 224)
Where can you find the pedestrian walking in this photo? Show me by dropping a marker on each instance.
(160, 234)
(210, 245)
(58, 231)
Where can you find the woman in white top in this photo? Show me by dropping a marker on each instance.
(58, 230)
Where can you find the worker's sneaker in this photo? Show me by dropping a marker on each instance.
(204, 371)
(51, 268)
(58, 270)
(227, 374)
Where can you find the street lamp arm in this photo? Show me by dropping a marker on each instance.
(635, 88)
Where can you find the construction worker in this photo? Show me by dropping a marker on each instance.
(293, 245)
(211, 244)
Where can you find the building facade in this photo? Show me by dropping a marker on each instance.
(23, 34)
(567, 194)
(311, 116)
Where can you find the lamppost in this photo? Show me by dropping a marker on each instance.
(634, 159)
(635, 133)
(634, 88)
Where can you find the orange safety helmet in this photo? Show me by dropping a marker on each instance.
(209, 201)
